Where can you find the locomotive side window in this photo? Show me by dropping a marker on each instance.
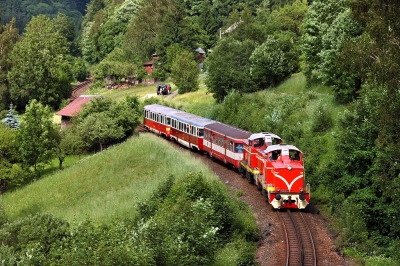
(294, 155)
(275, 141)
(258, 142)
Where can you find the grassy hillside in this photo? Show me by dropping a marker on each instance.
(105, 185)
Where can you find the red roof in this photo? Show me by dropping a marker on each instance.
(75, 106)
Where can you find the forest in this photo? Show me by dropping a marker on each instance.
(351, 46)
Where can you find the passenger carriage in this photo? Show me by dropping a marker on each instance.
(188, 129)
(225, 142)
(157, 119)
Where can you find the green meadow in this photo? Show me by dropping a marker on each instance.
(105, 185)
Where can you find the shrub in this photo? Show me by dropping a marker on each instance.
(322, 119)
(32, 238)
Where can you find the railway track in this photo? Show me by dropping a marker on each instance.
(77, 90)
(299, 241)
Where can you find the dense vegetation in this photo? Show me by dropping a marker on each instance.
(349, 46)
(127, 212)
(24, 10)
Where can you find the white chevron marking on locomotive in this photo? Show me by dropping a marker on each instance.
(287, 183)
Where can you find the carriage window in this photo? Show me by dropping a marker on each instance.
(220, 141)
(229, 145)
(239, 147)
(168, 121)
(201, 132)
(193, 130)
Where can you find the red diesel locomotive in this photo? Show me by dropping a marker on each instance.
(275, 168)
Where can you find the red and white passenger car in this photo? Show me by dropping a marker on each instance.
(225, 142)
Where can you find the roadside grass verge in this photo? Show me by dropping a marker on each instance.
(105, 185)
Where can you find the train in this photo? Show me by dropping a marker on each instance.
(276, 168)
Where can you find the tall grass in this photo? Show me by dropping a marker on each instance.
(119, 94)
(106, 185)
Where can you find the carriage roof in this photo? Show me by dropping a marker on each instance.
(192, 119)
(162, 109)
(229, 131)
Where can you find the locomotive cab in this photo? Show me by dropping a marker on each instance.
(253, 154)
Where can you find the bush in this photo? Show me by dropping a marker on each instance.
(322, 119)
(32, 238)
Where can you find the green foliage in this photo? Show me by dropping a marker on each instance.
(40, 69)
(23, 10)
(34, 140)
(80, 69)
(322, 119)
(8, 37)
(114, 68)
(103, 121)
(191, 219)
(328, 28)
(104, 28)
(228, 68)
(273, 61)
(32, 238)
(354, 231)
(98, 128)
(185, 72)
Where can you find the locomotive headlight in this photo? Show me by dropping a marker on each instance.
(302, 197)
(289, 167)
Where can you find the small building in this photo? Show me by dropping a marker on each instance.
(149, 66)
(73, 109)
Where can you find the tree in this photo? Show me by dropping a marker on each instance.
(9, 158)
(273, 61)
(67, 142)
(11, 120)
(66, 27)
(141, 34)
(185, 72)
(328, 26)
(98, 128)
(115, 120)
(34, 138)
(228, 68)
(8, 38)
(40, 69)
